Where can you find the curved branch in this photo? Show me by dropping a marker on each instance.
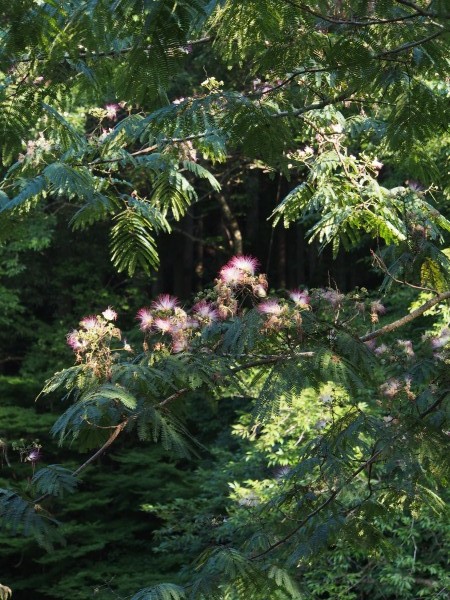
(360, 23)
(325, 503)
(410, 45)
(148, 150)
(407, 318)
(373, 458)
(420, 10)
(295, 113)
(117, 431)
(174, 396)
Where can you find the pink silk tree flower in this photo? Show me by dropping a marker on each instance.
(165, 302)
(146, 318)
(248, 264)
(270, 307)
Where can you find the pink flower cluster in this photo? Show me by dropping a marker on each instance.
(112, 111)
(165, 317)
(237, 279)
(333, 297)
(92, 329)
(441, 340)
(166, 321)
(279, 314)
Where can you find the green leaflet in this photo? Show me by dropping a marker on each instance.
(163, 591)
(54, 480)
(19, 517)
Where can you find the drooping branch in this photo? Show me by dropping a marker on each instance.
(378, 261)
(410, 45)
(173, 396)
(324, 504)
(117, 431)
(365, 465)
(420, 10)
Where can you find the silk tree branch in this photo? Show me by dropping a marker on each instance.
(117, 431)
(324, 504)
(373, 458)
(273, 360)
(173, 396)
(410, 45)
(112, 53)
(407, 318)
(361, 23)
(299, 111)
(420, 10)
(148, 150)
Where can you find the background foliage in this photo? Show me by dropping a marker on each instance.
(123, 122)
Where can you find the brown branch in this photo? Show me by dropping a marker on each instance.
(418, 9)
(410, 45)
(117, 431)
(106, 53)
(378, 261)
(356, 23)
(324, 504)
(407, 318)
(293, 76)
(147, 150)
(174, 396)
(295, 113)
(270, 360)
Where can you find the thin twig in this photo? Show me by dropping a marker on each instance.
(174, 396)
(374, 456)
(353, 22)
(410, 45)
(321, 506)
(147, 150)
(299, 111)
(419, 10)
(269, 361)
(380, 263)
(106, 53)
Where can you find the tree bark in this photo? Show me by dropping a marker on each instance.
(233, 225)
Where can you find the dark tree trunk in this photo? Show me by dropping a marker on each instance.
(232, 225)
